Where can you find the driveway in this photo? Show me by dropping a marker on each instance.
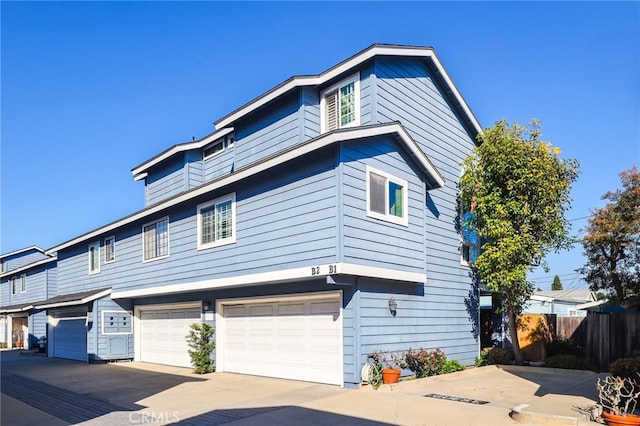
(39, 390)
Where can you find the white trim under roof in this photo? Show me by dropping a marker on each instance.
(592, 304)
(347, 66)
(353, 133)
(73, 302)
(21, 251)
(139, 172)
(287, 275)
(30, 265)
(14, 310)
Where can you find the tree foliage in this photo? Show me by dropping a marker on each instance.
(612, 243)
(557, 284)
(201, 344)
(518, 188)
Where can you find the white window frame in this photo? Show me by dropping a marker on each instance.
(3, 266)
(220, 142)
(110, 242)
(404, 221)
(105, 313)
(155, 222)
(95, 245)
(355, 79)
(23, 283)
(229, 240)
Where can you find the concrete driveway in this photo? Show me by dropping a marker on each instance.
(38, 390)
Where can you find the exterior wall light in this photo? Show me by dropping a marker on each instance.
(393, 306)
(205, 305)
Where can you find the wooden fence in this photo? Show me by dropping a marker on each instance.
(605, 337)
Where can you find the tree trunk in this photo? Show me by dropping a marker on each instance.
(513, 331)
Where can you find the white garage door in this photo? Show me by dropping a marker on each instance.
(70, 339)
(162, 335)
(291, 339)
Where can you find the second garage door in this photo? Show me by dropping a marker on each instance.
(296, 338)
(70, 339)
(162, 334)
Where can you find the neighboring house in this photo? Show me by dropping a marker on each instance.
(293, 228)
(564, 303)
(27, 276)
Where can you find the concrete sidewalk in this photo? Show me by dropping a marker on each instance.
(140, 393)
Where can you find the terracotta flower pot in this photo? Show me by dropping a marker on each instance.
(614, 420)
(390, 375)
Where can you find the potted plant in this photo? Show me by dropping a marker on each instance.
(619, 397)
(392, 364)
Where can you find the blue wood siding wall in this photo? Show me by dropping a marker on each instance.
(268, 132)
(165, 182)
(374, 242)
(112, 346)
(36, 286)
(408, 92)
(285, 219)
(22, 259)
(194, 169)
(310, 101)
(220, 164)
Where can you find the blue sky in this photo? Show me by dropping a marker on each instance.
(92, 89)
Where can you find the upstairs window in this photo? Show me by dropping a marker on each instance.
(387, 197)
(14, 286)
(94, 258)
(216, 222)
(218, 146)
(156, 240)
(3, 266)
(23, 283)
(109, 249)
(340, 105)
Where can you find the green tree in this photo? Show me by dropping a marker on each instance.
(557, 284)
(201, 344)
(518, 188)
(612, 243)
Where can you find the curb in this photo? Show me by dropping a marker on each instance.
(519, 414)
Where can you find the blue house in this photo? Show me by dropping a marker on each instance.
(318, 222)
(26, 277)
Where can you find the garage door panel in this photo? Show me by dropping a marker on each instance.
(298, 340)
(163, 335)
(70, 339)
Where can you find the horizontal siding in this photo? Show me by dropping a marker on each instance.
(265, 135)
(372, 241)
(36, 287)
(406, 91)
(219, 165)
(37, 328)
(165, 183)
(283, 221)
(310, 101)
(22, 259)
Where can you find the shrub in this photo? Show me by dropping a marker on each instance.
(625, 367)
(424, 362)
(451, 366)
(490, 356)
(3, 345)
(567, 361)
(564, 347)
(200, 340)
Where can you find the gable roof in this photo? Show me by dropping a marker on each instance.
(28, 266)
(348, 65)
(344, 67)
(395, 130)
(20, 251)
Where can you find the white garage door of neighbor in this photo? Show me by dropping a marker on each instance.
(163, 335)
(70, 339)
(297, 339)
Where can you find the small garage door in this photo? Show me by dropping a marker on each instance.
(162, 334)
(70, 339)
(298, 339)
